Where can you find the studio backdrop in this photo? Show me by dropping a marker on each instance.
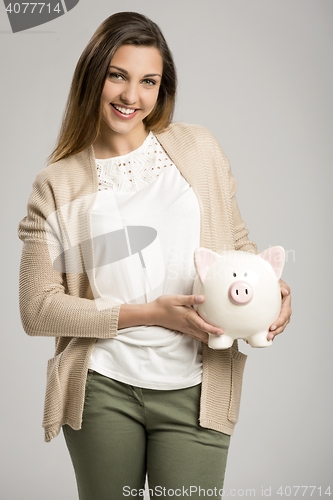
(258, 75)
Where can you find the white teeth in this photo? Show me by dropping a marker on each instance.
(124, 111)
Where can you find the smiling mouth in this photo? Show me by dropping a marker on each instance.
(124, 111)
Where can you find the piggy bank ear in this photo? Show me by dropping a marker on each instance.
(276, 257)
(203, 259)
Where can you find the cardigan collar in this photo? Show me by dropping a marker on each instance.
(166, 139)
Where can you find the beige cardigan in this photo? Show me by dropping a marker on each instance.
(61, 303)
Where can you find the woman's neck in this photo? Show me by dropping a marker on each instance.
(110, 144)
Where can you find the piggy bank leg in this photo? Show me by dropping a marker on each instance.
(259, 340)
(220, 341)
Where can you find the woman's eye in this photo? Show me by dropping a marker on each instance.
(115, 76)
(149, 82)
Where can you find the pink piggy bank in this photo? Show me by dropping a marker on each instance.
(242, 293)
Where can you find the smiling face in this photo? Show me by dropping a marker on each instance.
(131, 89)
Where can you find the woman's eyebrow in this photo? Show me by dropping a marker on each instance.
(126, 72)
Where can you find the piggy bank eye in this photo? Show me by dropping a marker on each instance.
(245, 274)
(234, 275)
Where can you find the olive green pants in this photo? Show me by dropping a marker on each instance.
(128, 431)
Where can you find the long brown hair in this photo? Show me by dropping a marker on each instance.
(81, 118)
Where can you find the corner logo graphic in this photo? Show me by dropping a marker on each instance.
(25, 15)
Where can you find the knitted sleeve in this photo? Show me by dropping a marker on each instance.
(242, 242)
(52, 302)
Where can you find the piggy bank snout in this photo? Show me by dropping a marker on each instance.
(240, 292)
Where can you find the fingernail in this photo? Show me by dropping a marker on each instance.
(273, 327)
(219, 332)
(287, 291)
(270, 336)
(199, 298)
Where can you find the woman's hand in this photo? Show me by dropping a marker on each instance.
(280, 324)
(175, 312)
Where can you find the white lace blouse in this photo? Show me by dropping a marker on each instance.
(146, 226)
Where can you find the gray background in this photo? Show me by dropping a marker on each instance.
(258, 74)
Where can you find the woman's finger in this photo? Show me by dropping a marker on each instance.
(285, 312)
(278, 330)
(201, 324)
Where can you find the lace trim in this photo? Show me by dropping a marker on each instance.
(135, 170)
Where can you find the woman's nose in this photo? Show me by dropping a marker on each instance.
(130, 94)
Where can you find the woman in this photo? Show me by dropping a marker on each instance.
(107, 269)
